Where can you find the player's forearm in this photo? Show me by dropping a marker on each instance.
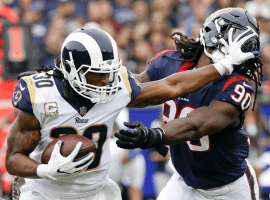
(21, 165)
(181, 130)
(190, 81)
(174, 86)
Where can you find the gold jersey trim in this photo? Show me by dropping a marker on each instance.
(31, 89)
(124, 75)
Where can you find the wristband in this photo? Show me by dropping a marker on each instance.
(222, 70)
(44, 172)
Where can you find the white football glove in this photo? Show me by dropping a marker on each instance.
(235, 55)
(59, 165)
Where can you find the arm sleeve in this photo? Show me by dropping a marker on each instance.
(23, 96)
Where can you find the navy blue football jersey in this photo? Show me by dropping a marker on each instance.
(214, 160)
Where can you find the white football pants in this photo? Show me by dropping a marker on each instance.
(246, 187)
(111, 191)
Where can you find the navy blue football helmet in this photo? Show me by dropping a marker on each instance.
(90, 50)
(214, 33)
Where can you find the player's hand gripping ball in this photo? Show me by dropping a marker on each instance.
(69, 143)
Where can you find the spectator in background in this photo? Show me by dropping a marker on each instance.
(159, 30)
(66, 10)
(264, 36)
(141, 55)
(33, 15)
(64, 22)
(101, 12)
(219, 4)
(122, 11)
(54, 40)
(141, 23)
(22, 6)
(195, 30)
(199, 16)
(158, 41)
(259, 8)
(7, 15)
(166, 9)
(240, 3)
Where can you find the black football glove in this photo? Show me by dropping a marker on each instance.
(142, 137)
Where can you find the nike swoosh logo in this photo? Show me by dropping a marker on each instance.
(22, 88)
(244, 84)
(58, 171)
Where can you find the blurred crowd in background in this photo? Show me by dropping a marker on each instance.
(141, 28)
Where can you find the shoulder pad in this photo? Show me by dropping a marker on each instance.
(28, 73)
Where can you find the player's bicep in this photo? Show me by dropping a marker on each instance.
(24, 134)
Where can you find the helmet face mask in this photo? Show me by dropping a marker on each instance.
(82, 52)
(214, 33)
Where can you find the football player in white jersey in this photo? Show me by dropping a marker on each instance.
(83, 95)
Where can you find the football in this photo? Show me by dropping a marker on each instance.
(69, 143)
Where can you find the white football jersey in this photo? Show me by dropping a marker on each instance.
(60, 113)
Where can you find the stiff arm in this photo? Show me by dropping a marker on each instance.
(176, 85)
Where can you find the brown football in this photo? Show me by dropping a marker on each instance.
(69, 143)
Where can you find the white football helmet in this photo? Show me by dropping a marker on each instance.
(90, 50)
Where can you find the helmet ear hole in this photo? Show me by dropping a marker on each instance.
(207, 29)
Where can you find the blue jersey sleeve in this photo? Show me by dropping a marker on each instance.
(165, 64)
(156, 68)
(135, 85)
(24, 94)
(235, 90)
(132, 84)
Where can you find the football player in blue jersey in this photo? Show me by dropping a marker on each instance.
(83, 95)
(204, 129)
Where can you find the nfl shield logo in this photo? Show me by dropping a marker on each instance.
(83, 110)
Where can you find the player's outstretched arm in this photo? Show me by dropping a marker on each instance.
(179, 84)
(183, 83)
(200, 122)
